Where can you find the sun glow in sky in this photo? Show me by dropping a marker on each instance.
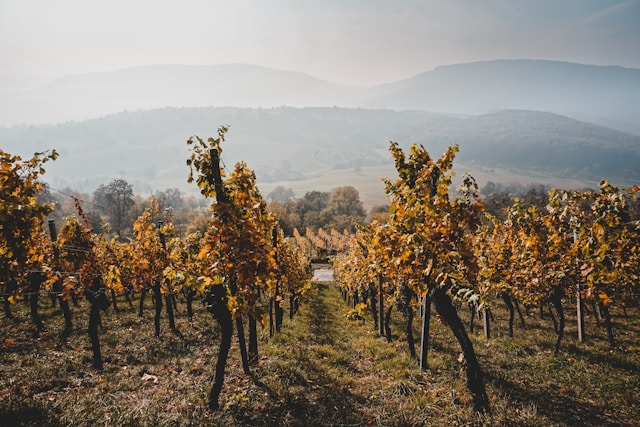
(356, 42)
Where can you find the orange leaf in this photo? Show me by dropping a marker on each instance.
(566, 390)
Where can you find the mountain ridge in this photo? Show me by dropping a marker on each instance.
(605, 95)
(602, 94)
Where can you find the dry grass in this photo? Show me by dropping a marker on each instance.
(322, 369)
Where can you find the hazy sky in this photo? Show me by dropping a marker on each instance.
(343, 41)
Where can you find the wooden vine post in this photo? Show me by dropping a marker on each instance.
(381, 303)
(58, 288)
(424, 342)
(580, 313)
(579, 304)
(279, 311)
(486, 325)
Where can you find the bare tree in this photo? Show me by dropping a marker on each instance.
(115, 200)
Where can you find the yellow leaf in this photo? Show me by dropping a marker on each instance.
(604, 298)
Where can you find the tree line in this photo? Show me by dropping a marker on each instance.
(112, 208)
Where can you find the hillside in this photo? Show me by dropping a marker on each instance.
(544, 144)
(608, 96)
(303, 148)
(238, 85)
(92, 95)
(605, 95)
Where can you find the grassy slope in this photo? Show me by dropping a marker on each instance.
(322, 369)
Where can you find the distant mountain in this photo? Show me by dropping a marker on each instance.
(605, 95)
(148, 148)
(93, 95)
(608, 96)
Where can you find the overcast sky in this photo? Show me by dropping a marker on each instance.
(343, 41)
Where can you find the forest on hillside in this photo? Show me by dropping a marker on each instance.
(298, 143)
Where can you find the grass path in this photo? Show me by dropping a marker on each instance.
(325, 370)
(312, 367)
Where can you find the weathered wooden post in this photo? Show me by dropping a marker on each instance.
(486, 313)
(381, 303)
(579, 304)
(424, 343)
(279, 311)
